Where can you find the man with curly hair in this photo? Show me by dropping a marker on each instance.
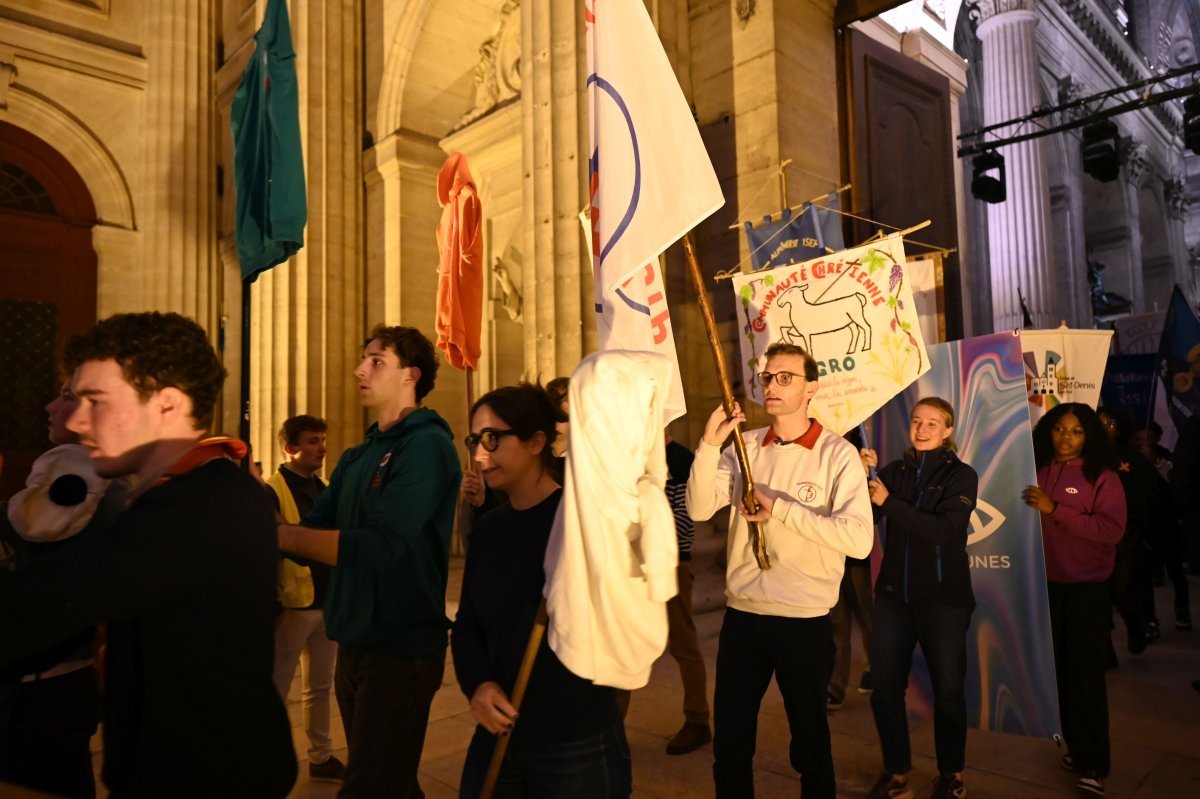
(384, 524)
(184, 578)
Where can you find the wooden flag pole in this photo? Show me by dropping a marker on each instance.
(518, 694)
(757, 535)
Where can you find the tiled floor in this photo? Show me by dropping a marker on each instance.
(1155, 735)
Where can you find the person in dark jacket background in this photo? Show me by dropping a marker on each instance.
(923, 596)
(1083, 518)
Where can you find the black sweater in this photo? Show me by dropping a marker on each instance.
(185, 579)
(928, 511)
(502, 589)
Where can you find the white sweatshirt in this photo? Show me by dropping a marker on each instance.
(610, 562)
(822, 513)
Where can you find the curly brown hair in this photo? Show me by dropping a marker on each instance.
(155, 351)
(413, 349)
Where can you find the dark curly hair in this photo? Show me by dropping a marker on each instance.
(297, 426)
(155, 351)
(1098, 453)
(528, 409)
(413, 349)
(559, 390)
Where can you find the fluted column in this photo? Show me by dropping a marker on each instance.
(1176, 199)
(1019, 228)
(179, 257)
(556, 273)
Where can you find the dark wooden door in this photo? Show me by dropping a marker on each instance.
(47, 289)
(900, 157)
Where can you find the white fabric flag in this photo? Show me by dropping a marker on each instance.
(1063, 365)
(651, 179)
(635, 317)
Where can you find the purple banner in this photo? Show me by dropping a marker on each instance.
(1010, 669)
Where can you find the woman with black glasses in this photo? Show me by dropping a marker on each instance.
(570, 740)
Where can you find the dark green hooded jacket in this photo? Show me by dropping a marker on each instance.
(393, 498)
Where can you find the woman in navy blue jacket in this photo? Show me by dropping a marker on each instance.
(923, 596)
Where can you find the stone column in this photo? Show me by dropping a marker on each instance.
(556, 279)
(1019, 228)
(1067, 210)
(1135, 171)
(1177, 201)
(179, 256)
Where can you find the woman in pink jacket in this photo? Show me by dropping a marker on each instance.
(1083, 517)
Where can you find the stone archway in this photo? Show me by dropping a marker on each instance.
(48, 287)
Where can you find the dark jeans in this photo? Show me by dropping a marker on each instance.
(799, 653)
(941, 630)
(598, 767)
(384, 703)
(1079, 620)
(46, 728)
(1132, 591)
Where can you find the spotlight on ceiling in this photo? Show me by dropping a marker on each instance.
(1102, 150)
(1191, 123)
(987, 178)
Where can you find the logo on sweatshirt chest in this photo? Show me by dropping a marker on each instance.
(377, 480)
(1071, 490)
(809, 493)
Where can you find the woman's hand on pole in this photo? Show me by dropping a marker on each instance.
(472, 487)
(492, 710)
(719, 426)
(1035, 497)
(870, 459)
(878, 491)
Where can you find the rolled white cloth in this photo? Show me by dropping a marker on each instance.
(610, 563)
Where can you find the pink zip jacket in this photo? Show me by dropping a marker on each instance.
(1080, 537)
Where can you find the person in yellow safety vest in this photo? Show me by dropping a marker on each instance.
(300, 633)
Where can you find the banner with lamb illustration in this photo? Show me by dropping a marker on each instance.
(853, 311)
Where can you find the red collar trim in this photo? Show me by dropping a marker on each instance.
(204, 451)
(808, 440)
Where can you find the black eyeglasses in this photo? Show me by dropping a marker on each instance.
(782, 378)
(490, 439)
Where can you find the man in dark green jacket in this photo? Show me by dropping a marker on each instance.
(384, 524)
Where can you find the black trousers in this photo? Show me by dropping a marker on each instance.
(941, 630)
(385, 703)
(1080, 620)
(46, 728)
(799, 654)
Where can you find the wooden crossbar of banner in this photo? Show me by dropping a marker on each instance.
(732, 273)
(813, 201)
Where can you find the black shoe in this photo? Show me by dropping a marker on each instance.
(833, 703)
(865, 686)
(332, 770)
(1136, 644)
(1090, 784)
(1183, 619)
(948, 786)
(689, 738)
(888, 787)
(1152, 631)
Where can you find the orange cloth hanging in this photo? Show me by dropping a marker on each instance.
(460, 265)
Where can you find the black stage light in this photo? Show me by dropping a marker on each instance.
(1191, 123)
(1102, 150)
(987, 179)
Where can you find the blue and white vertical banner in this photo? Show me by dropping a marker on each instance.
(1010, 656)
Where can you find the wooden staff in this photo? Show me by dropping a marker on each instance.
(758, 541)
(518, 694)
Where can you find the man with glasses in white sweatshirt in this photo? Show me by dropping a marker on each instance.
(815, 510)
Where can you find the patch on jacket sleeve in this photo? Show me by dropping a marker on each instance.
(967, 501)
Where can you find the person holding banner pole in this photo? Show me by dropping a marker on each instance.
(1083, 518)
(923, 596)
(565, 736)
(815, 511)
